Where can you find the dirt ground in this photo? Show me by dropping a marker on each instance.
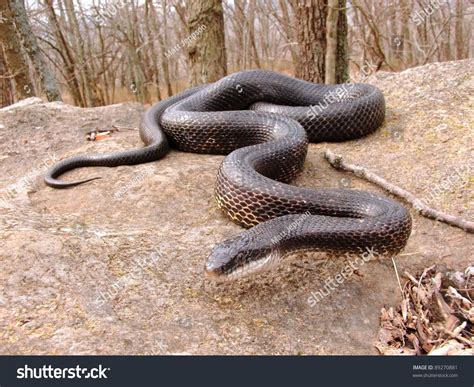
(116, 266)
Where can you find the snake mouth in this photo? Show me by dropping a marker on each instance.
(240, 269)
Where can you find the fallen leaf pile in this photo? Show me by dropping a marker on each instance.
(435, 316)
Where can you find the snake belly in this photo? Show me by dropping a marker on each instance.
(263, 122)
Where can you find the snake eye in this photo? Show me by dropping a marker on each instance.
(222, 255)
(237, 258)
(228, 256)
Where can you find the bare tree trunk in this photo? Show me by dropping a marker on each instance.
(373, 41)
(406, 10)
(140, 88)
(459, 31)
(206, 53)
(446, 42)
(93, 66)
(266, 38)
(84, 70)
(240, 20)
(251, 33)
(151, 42)
(164, 61)
(331, 41)
(289, 30)
(342, 60)
(161, 43)
(69, 65)
(103, 71)
(48, 81)
(310, 23)
(6, 89)
(16, 61)
(359, 30)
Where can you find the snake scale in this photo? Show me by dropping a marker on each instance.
(263, 122)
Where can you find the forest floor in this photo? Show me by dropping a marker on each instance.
(116, 266)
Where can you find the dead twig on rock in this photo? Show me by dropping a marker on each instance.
(337, 162)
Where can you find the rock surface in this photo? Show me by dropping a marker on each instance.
(115, 266)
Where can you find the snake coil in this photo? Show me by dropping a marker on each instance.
(263, 122)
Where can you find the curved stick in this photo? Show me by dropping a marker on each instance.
(337, 162)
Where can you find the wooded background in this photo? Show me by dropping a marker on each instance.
(99, 52)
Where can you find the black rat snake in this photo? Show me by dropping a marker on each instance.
(263, 121)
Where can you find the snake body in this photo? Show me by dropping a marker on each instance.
(263, 122)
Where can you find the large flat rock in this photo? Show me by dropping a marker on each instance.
(116, 266)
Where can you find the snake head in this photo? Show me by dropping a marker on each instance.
(239, 257)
